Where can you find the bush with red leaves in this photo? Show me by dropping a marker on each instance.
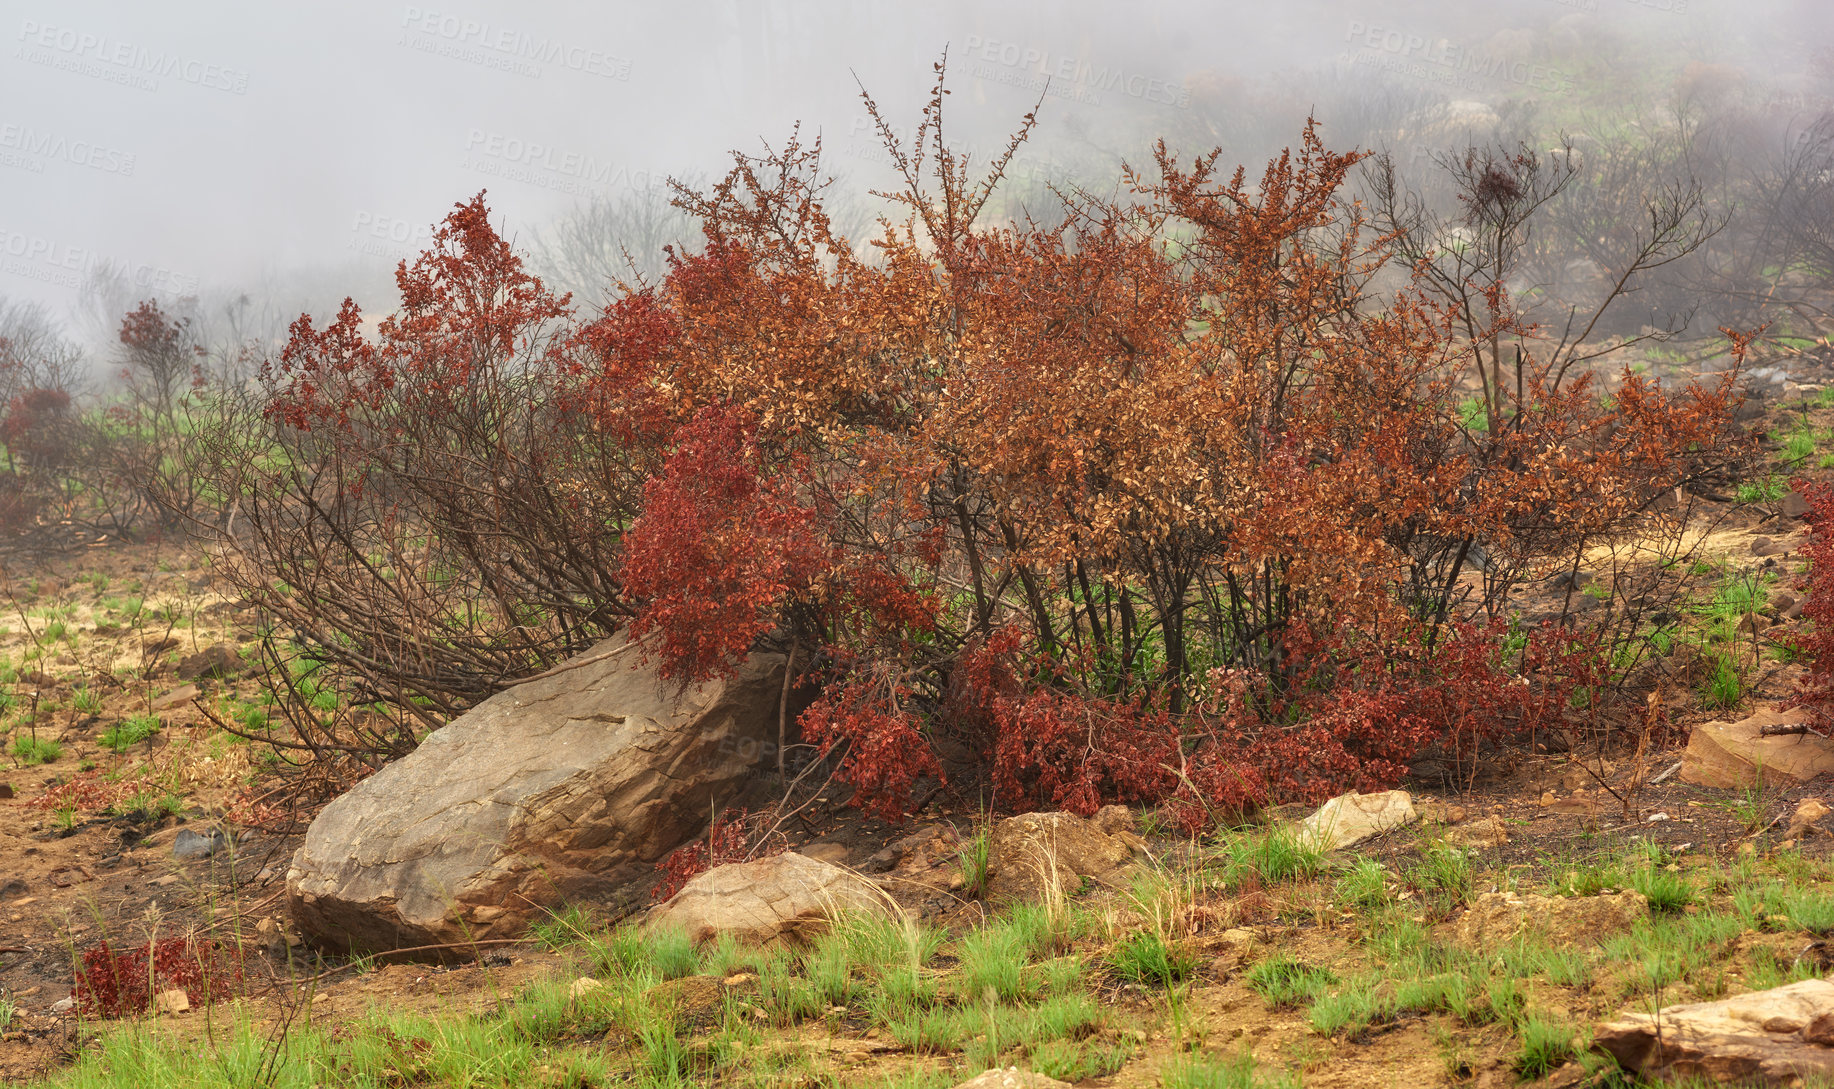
(735, 836)
(1815, 690)
(36, 429)
(112, 983)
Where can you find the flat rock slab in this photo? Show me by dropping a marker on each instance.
(566, 788)
(1031, 853)
(784, 898)
(1496, 918)
(1775, 1037)
(1736, 754)
(1349, 819)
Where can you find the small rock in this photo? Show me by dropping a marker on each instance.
(784, 897)
(63, 1005)
(1349, 819)
(1012, 1078)
(834, 854)
(1114, 820)
(67, 876)
(12, 886)
(189, 844)
(1794, 505)
(178, 697)
(583, 986)
(1655, 817)
(1764, 546)
(214, 662)
(6, 791)
(695, 1000)
(1030, 853)
(1782, 601)
(1807, 818)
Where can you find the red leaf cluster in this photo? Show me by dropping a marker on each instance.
(734, 836)
(121, 983)
(1815, 690)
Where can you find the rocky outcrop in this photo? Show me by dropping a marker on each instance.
(1497, 918)
(1739, 754)
(1349, 819)
(788, 897)
(1782, 1036)
(1031, 853)
(568, 787)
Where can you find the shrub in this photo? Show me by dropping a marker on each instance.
(1159, 504)
(1815, 690)
(111, 983)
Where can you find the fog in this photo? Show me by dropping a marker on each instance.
(294, 154)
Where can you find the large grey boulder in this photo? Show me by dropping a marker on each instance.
(566, 788)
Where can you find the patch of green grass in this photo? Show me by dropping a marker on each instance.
(1666, 892)
(1444, 874)
(128, 732)
(1287, 983)
(993, 958)
(1811, 910)
(1364, 885)
(1588, 877)
(1146, 958)
(1275, 856)
(977, 861)
(30, 751)
(1768, 490)
(1724, 685)
(1239, 1072)
(1351, 1009)
(1546, 1045)
(87, 700)
(1077, 1061)
(1458, 993)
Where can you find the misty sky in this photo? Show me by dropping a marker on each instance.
(300, 150)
